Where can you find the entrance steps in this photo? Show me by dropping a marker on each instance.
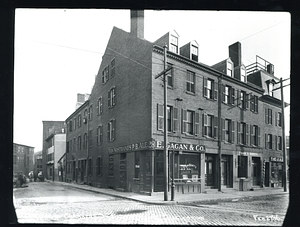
(212, 190)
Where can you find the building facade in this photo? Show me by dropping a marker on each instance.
(22, 159)
(38, 162)
(224, 122)
(54, 147)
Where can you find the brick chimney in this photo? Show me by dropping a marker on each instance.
(235, 53)
(137, 23)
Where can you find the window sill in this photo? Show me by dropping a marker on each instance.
(190, 93)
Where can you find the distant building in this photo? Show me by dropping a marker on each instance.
(38, 162)
(81, 98)
(54, 147)
(22, 159)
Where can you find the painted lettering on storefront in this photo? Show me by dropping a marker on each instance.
(181, 146)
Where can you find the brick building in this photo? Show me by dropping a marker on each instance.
(22, 159)
(115, 139)
(54, 147)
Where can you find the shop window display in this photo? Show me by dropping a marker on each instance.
(189, 167)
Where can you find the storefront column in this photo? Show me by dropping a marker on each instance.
(202, 172)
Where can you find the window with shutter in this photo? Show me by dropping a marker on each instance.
(175, 119)
(197, 123)
(108, 99)
(224, 136)
(251, 135)
(109, 131)
(204, 129)
(238, 132)
(112, 67)
(160, 117)
(215, 90)
(225, 93)
(232, 131)
(205, 87)
(114, 129)
(184, 121)
(232, 97)
(258, 135)
(216, 123)
(238, 94)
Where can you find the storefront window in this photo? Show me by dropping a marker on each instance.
(189, 167)
(242, 166)
(276, 173)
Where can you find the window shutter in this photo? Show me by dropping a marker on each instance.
(205, 87)
(197, 123)
(232, 131)
(251, 134)
(160, 117)
(247, 134)
(175, 119)
(275, 143)
(266, 140)
(108, 99)
(258, 139)
(103, 77)
(270, 117)
(266, 116)
(108, 131)
(223, 129)
(101, 133)
(232, 96)
(238, 132)
(223, 93)
(204, 120)
(98, 106)
(215, 90)
(184, 119)
(114, 129)
(238, 93)
(216, 127)
(276, 118)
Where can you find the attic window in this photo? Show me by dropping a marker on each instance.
(270, 84)
(229, 69)
(243, 75)
(174, 44)
(194, 53)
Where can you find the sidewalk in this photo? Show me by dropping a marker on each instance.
(158, 197)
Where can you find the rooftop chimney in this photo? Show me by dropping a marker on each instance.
(137, 23)
(235, 53)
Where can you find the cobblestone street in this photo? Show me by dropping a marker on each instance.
(46, 203)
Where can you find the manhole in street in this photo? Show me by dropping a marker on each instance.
(130, 212)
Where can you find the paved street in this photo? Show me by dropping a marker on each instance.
(42, 202)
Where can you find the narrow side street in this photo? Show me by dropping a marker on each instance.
(42, 202)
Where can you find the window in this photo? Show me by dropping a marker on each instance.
(254, 103)
(85, 141)
(105, 75)
(268, 116)
(190, 122)
(190, 82)
(79, 143)
(210, 89)
(90, 166)
(111, 166)
(74, 144)
(244, 99)
(99, 166)
(85, 114)
(70, 145)
(228, 94)
(174, 44)
(228, 130)
(170, 76)
(243, 166)
(111, 130)
(268, 141)
(99, 106)
(243, 75)
(90, 112)
(210, 126)
(90, 138)
(229, 69)
(74, 123)
(137, 164)
(243, 133)
(79, 120)
(194, 53)
(112, 67)
(112, 97)
(172, 118)
(70, 126)
(254, 135)
(270, 87)
(279, 119)
(99, 134)
(279, 142)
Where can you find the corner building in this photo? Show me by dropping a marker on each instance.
(115, 139)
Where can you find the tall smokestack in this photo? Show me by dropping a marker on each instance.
(137, 23)
(235, 53)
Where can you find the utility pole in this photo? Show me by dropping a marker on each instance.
(219, 131)
(284, 180)
(166, 175)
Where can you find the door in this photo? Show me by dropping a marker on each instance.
(256, 170)
(209, 173)
(159, 172)
(123, 171)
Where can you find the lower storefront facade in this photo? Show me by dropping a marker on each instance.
(192, 168)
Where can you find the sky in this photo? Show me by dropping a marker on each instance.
(58, 53)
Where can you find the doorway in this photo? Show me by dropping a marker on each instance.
(210, 165)
(159, 172)
(267, 174)
(226, 171)
(256, 171)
